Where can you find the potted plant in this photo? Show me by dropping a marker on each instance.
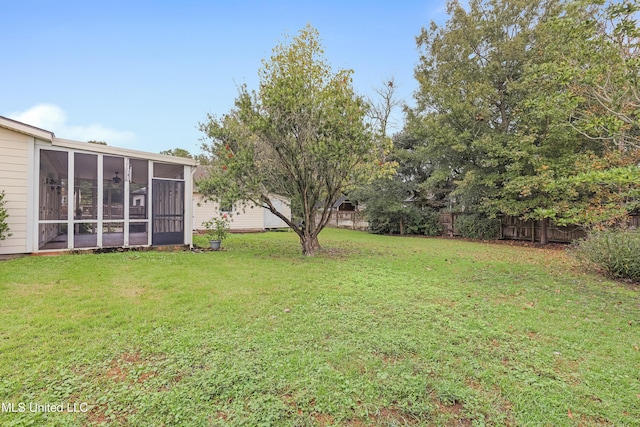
(217, 231)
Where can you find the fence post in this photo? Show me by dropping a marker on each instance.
(533, 230)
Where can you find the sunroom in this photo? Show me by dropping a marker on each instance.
(92, 196)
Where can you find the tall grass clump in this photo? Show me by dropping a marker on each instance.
(615, 253)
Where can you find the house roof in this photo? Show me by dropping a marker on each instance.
(85, 146)
(24, 128)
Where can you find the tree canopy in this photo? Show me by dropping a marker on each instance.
(177, 152)
(518, 100)
(302, 134)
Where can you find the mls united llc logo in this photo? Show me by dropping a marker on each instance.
(44, 407)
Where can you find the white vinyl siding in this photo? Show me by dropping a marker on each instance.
(249, 218)
(14, 170)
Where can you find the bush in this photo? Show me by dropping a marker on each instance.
(4, 227)
(386, 220)
(476, 226)
(615, 253)
(431, 225)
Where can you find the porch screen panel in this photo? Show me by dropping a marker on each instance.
(113, 188)
(168, 212)
(85, 187)
(53, 197)
(53, 185)
(139, 171)
(112, 234)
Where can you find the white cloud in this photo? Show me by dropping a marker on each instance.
(53, 118)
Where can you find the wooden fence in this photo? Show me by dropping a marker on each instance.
(512, 228)
(517, 229)
(354, 220)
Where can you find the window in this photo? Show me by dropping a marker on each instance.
(226, 207)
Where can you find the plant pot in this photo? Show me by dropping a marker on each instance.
(215, 244)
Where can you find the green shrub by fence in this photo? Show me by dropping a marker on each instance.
(476, 226)
(616, 253)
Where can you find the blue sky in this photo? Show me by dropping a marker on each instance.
(143, 74)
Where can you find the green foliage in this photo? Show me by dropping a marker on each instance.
(217, 228)
(4, 227)
(597, 65)
(477, 226)
(301, 135)
(428, 224)
(406, 220)
(614, 252)
(519, 101)
(491, 151)
(391, 209)
(178, 152)
(590, 80)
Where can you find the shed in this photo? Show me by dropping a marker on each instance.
(245, 216)
(344, 204)
(63, 195)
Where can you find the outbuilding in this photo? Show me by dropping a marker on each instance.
(245, 216)
(65, 195)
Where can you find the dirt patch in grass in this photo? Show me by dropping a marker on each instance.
(120, 369)
(394, 416)
(102, 415)
(454, 412)
(324, 420)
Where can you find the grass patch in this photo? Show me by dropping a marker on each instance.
(375, 330)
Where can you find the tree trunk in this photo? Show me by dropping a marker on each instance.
(543, 231)
(309, 244)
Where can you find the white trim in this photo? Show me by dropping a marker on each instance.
(32, 202)
(71, 189)
(35, 220)
(187, 217)
(150, 203)
(100, 204)
(125, 152)
(126, 196)
(26, 129)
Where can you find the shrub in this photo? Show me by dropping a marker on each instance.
(387, 219)
(431, 223)
(615, 253)
(4, 227)
(217, 228)
(476, 226)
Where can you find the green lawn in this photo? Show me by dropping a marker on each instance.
(375, 330)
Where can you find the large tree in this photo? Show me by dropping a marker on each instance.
(302, 134)
(477, 114)
(595, 69)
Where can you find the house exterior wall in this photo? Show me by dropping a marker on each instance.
(15, 152)
(249, 218)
